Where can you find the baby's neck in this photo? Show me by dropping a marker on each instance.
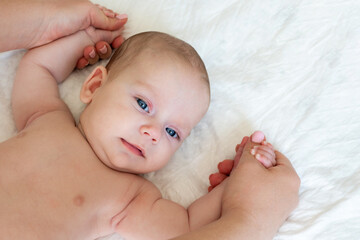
(79, 126)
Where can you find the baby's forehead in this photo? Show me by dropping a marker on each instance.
(183, 104)
(155, 43)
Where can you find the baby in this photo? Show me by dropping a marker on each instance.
(59, 180)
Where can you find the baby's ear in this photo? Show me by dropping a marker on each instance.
(95, 80)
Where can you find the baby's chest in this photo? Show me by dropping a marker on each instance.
(61, 185)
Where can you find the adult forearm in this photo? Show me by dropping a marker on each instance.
(20, 22)
(228, 228)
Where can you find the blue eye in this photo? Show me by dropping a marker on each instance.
(171, 132)
(142, 104)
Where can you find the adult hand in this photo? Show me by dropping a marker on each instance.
(264, 197)
(27, 24)
(256, 199)
(225, 167)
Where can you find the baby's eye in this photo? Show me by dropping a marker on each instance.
(171, 132)
(143, 104)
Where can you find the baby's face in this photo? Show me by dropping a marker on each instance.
(136, 121)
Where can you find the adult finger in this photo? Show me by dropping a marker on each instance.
(99, 35)
(239, 150)
(117, 42)
(103, 49)
(246, 153)
(91, 55)
(99, 19)
(216, 178)
(256, 138)
(82, 63)
(226, 166)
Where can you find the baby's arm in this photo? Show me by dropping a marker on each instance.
(149, 216)
(35, 90)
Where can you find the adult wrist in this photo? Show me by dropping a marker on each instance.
(246, 226)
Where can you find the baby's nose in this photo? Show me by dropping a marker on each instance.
(152, 132)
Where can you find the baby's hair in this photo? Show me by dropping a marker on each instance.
(134, 45)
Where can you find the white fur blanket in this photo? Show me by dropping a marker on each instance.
(289, 68)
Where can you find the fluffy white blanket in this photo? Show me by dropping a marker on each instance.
(289, 68)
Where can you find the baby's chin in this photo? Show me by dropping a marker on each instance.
(129, 170)
(125, 167)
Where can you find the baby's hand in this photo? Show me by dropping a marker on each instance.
(102, 49)
(265, 154)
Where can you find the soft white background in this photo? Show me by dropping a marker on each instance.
(289, 68)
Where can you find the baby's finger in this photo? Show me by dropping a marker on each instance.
(266, 149)
(109, 13)
(264, 157)
(99, 19)
(265, 143)
(263, 160)
(98, 35)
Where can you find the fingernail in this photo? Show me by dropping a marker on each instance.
(92, 53)
(121, 16)
(257, 137)
(252, 151)
(103, 50)
(258, 156)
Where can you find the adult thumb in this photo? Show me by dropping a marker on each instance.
(101, 21)
(244, 153)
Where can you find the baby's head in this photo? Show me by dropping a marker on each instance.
(142, 106)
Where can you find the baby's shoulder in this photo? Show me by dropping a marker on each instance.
(54, 129)
(134, 185)
(140, 194)
(51, 121)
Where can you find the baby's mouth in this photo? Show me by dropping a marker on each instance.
(133, 148)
